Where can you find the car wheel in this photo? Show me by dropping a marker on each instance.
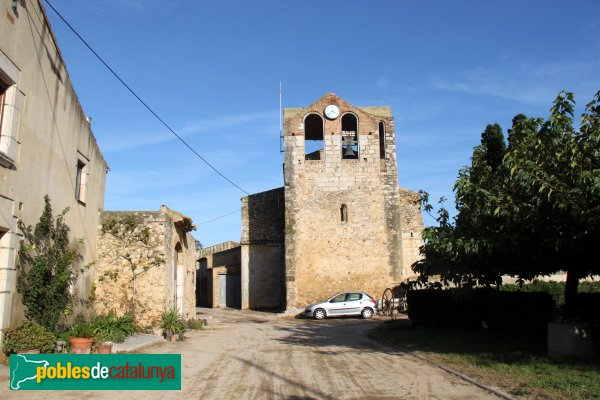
(319, 313)
(367, 313)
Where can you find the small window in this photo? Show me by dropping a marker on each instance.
(349, 137)
(11, 104)
(382, 141)
(313, 137)
(353, 296)
(344, 213)
(81, 181)
(339, 298)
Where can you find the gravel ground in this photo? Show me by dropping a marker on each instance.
(251, 355)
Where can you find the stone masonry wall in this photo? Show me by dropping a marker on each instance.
(324, 254)
(266, 282)
(411, 223)
(262, 243)
(113, 279)
(223, 258)
(263, 217)
(155, 268)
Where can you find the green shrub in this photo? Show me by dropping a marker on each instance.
(172, 322)
(524, 311)
(481, 307)
(110, 328)
(194, 324)
(589, 287)
(48, 265)
(454, 307)
(588, 309)
(81, 329)
(555, 289)
(28, 336)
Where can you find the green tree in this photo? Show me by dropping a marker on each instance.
(526, 209)
(47, 267)
(455, 250)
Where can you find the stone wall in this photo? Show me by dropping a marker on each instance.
(266, 276)
(223, 258)
(263, 217)
(204, 287)
(411, 225)
(263, 275)
(164, 267)
(323, 253)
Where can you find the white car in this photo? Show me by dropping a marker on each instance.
(348, 303)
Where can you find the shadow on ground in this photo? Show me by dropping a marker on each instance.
(483, 346)
(335, 336)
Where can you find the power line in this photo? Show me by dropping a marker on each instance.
(140, 100)
(222, 216)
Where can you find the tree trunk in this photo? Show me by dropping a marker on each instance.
(571, 294)
(133, 300)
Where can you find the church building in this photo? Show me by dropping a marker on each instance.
(341, 222)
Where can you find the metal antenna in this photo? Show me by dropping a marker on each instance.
(280, 119)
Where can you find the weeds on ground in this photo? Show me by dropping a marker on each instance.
(516, 363)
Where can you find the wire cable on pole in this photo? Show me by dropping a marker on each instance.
(140, 99)
(222, 216)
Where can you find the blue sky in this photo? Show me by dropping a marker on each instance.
(211, 69)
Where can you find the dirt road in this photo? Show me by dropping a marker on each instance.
(248, 355)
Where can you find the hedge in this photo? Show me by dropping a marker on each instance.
(555, 289)
(490, 308)
(588, 309)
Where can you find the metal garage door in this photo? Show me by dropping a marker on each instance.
(230, 290)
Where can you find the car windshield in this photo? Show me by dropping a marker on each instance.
(338, 298)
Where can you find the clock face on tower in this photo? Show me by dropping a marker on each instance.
(332, 111)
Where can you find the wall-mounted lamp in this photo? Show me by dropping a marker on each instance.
(15, 3)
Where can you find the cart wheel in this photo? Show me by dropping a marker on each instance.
(387, 302)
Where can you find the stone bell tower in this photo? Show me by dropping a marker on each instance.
(348, 225)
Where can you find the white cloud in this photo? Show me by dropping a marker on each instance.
(128, 182)
(121, 141)
(525, 81)
(382, 83)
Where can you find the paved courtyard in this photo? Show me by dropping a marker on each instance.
(250, 355)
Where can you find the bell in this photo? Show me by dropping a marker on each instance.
(348, 152)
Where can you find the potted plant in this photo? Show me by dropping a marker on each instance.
(181, 329)
(81, 337)
(171, 325)
(110, 329)
(104, 342)
(29, 337)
